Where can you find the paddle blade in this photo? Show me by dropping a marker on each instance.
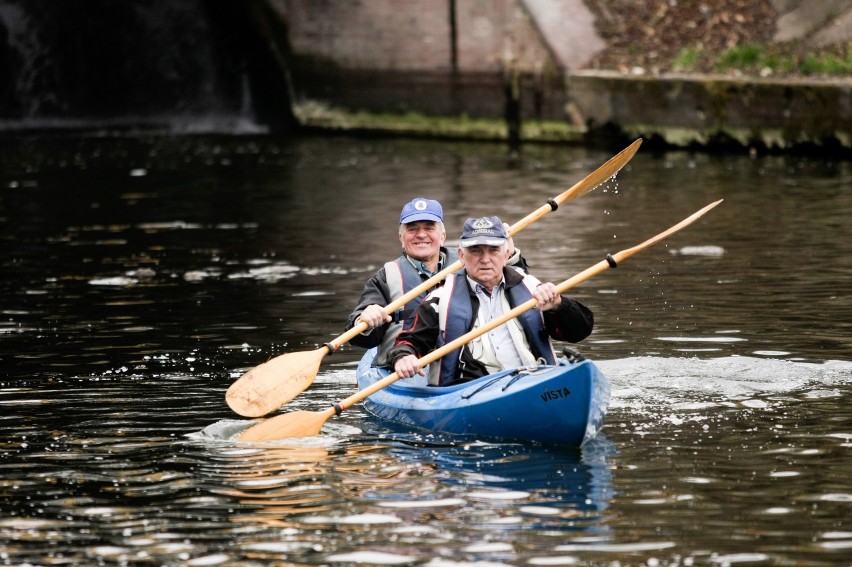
(602, 174)
(267, 387)
(293, 424)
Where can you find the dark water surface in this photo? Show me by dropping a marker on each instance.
(141, 277)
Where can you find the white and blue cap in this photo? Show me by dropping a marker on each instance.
(483, 230)
(420, 209)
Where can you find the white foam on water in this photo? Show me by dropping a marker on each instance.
(499, 494)
(226, 431)
(489, 547)
(270, 273)
(708, 250)
(354, 519)
(118, 281)
(617, 547)
(371, 558)
(735, 378)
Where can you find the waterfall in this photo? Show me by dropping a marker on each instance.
(179, 66)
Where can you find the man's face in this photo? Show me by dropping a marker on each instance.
(422, 240)
(484, 263)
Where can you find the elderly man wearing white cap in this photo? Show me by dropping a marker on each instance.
(422, 235)
(483, 291)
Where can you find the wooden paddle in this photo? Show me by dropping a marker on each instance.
(306, 423)
(267, 387)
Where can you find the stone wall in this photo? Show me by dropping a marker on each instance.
(683, 111)
(493, 58)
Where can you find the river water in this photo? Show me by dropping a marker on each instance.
(142, 276)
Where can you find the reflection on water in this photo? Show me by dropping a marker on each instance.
(141, 277)
(417, 490)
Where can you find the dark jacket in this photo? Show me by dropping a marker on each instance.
(377, 292)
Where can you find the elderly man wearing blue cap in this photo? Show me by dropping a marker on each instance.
(484, 290)
(422, 235)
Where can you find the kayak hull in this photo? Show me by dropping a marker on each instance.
(564, 404)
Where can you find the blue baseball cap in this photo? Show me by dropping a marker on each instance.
(420, 209)
(483, 230)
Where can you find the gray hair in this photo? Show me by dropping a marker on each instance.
(439, 223)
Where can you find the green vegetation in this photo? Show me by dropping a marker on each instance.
(742, 57)
(767, 60)
(317, 115)
(687, 59)
(828, 64)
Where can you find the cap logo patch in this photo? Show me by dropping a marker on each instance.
(420, 205)
(482, 223)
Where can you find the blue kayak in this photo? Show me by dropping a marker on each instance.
(564, 404)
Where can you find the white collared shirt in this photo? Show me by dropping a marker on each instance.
(504, 346)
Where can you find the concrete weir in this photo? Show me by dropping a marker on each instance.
(523, 64)
(707, 110)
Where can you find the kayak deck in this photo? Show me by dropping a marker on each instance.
(563, 404)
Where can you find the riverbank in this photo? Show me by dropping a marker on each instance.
(321, 117)
(675, 73)
(772, 75)
(683, 111)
